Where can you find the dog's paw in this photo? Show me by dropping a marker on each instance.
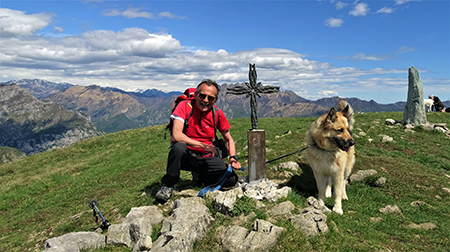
(338, 210)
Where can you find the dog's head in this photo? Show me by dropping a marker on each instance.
(336, 128)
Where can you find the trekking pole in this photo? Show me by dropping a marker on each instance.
(93, 205)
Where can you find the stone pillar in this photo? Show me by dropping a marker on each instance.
(415, 110)
(256, 154)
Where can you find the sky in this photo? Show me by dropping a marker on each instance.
(315, 48)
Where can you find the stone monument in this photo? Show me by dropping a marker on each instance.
(256, 138)
(414, 112)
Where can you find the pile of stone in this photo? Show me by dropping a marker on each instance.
(190, 219)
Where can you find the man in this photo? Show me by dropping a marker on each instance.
(192, 148)
(438, 104)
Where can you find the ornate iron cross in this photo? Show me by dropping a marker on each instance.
(253, 89)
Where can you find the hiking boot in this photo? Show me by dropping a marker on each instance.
(164, 193)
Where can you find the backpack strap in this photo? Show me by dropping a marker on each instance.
(186, 122)
(214, 109)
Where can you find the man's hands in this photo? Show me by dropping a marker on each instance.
(209, 148)
(235, 164)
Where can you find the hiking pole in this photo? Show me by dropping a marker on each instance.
(93, 205)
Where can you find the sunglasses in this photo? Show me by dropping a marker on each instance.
(210, 98)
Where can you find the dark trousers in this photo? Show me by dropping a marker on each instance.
(209, 169)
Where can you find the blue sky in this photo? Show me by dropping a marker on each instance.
(315, 48)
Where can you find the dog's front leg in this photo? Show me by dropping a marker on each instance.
(321, 181)
(328, 187)
(338, 193)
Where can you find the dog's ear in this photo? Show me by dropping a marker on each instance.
(345, 110)
(331, 117)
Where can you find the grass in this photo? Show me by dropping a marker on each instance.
(47, 194)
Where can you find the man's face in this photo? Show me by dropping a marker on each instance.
(206, 98)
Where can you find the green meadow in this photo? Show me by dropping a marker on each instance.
(47, 194)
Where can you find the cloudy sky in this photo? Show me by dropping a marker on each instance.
(316, 48)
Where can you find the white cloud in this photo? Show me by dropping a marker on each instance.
(385, 10)
(134, 58)
(334, 22)
(328, 93)
(136, 13)
(373, 57)
(398, 2)
(340, 5)
(360, 9)
(406, 49)
(17, 23)
(57, 29)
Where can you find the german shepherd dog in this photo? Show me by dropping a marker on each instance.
(331, 154)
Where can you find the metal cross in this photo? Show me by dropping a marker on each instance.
(253, 89)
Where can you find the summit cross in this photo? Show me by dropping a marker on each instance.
(253, 89)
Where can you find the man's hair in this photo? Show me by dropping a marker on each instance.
(209, 83)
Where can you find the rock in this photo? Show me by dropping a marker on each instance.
(136, 225)
(376, 219)
(311, 221)
(273, 196)
(386, 138)
(317, 204)
(188, 223)
(283, 208)
(243, 219)
(389, 122)
(75, 242)
(380, 182)
(362, 175)
(391, 209)
(293, 166)
(224, 201)
(428, 126)
(265, 189)
(426, 226)
(420, 203)
(263, 236)
(441, 127)
(447, 190)
(186, 193)
(415, 109)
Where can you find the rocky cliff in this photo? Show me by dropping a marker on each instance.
(33, 126)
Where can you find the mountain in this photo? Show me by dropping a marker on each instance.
(146, 93)
(112, 109)
(32, 125)
(362, 106)
(8, 154)
(40, 88)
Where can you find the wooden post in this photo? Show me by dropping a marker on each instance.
(256, 154)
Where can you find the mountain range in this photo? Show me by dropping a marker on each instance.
(33, 125)
(112, 109)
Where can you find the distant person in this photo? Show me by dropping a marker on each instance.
(438, 105)
(192, 148)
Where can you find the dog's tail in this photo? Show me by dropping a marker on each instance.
(344, 107)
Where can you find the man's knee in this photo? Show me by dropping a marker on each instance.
(179, 148)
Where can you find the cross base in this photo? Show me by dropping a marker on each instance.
(256, 154)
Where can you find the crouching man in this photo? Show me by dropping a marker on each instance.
(192, 142)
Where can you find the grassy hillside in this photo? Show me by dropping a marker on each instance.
(47, 194)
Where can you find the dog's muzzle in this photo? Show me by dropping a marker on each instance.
(344, 145)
